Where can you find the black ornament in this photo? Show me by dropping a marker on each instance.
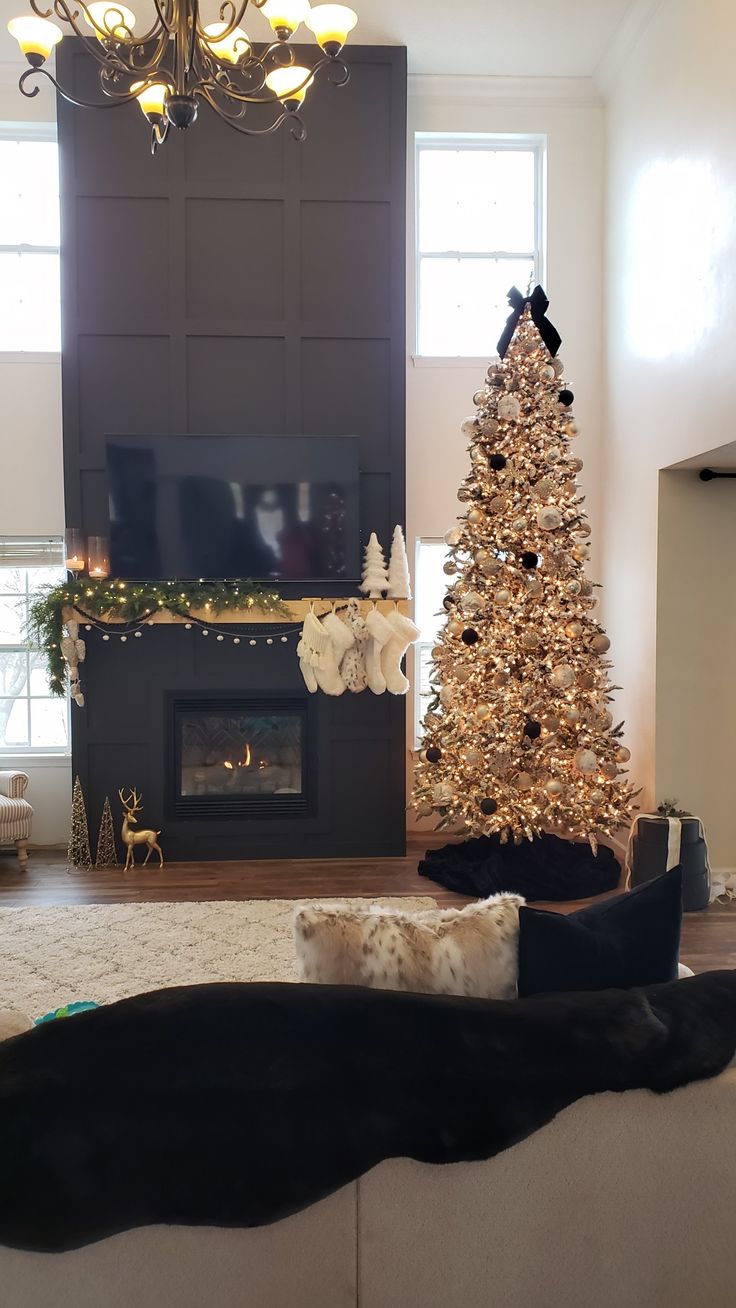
(566, 397)
(533, 730)
(434, 754)
(448, 602)
(529, 559)
(488, 806)
(497, 462)
(469, 636)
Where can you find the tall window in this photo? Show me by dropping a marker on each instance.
(430, 584)
(31, 721)
(30, 317)
(479, 231)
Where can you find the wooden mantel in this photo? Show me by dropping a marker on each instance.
(296, 612)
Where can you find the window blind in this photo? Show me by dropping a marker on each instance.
(31, 551)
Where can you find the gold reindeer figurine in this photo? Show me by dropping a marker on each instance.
(131, 806)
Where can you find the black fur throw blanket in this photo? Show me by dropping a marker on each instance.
(544, 868)
(235, 1105)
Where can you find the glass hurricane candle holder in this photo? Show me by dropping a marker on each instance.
(98, 560)
(74, 550)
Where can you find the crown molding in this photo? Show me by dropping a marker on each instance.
(622, 44)
(511, 91)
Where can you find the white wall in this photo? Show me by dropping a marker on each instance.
(696, 654)
(671, 304)
(31, 484)
(569, 112)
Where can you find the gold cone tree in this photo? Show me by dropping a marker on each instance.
(519, 737)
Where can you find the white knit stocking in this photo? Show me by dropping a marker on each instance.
(379, 632)
(341, 638)
(312, 650)
(403, 634)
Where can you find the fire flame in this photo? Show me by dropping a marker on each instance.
(246, 762)
(228, 764)
(243, 762)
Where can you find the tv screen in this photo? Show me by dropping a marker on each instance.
(280, 508)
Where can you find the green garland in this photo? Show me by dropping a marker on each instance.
(134, 601)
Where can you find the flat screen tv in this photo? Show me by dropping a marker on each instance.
(274, 508)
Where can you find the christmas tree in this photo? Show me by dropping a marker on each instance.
(107, 854)
(78, 852)
(519, 739)
(375, 577)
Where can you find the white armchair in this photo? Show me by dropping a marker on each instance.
(16, 813)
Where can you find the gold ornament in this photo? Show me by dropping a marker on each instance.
(586, 680)
(441, 794)
(623, 754)
(455, 627)
(482, 712)
(490, 567)
(562, 676)
(600, 644)
(585, 761)
(469, 427)
(542, 489)
(475, 517)
(497, 504)
(472, 756)
(131, 838)
(554, 788)
(597, 796)
(463, 673)
(480, 556)
(520, 525)
(572, 429)
(571, 715)
(509, 408)
(449, 568)
(573, 587)
(609, 771)
(574, 630)
(524, 781)
(471, 602)
(448, 696)
(580, 552)
(502, 596)
(464, 494)
(531, 640)
(500, 678)
(551, 723)
(424, 809)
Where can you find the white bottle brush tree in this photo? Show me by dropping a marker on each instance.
(375, 576)
(519, 737)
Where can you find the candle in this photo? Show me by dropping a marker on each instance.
(98, 562)
(75, 550)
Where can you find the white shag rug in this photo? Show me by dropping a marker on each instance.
(54, 956)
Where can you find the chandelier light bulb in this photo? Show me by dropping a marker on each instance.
(109, 19)
(231, 48)
(285, 15)
(331, 25)
(151, 98)
(290, 84)
(36, 38)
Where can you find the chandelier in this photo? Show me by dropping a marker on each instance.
(179, 60)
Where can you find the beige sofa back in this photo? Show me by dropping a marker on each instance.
(624, 1201)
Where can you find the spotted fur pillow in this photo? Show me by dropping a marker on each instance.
(450, 951)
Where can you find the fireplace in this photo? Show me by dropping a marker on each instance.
(240, 756)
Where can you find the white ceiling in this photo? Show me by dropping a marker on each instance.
(517, 38)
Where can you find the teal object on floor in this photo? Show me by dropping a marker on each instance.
(67, 1010)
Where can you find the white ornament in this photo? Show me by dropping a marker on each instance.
(453, 536)
(509, 408)
(585, 761)
(471, 602)
(441, 794)
(549, 518)
(469, 427)
(562, 676)
(399, 582)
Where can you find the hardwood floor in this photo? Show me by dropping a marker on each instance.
(708, 938)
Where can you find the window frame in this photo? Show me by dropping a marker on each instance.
(29, 131)
(533, 142)
(16, 755)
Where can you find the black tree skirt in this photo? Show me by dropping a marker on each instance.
(544, 868)
(236, 1105)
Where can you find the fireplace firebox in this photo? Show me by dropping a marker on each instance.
(240, 756)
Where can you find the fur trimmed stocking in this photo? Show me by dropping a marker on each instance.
(379, 632)
(340, 638)
(312, 650)
(403, 634)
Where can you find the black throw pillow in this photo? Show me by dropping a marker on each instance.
(631, 940)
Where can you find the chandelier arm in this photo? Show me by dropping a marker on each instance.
(205, 92)
(66, 13)
(70, 99)
(229, 89)
(164, 17)
(193, 19)
(238, 14)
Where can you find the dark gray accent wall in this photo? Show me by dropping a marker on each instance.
(235, 285)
